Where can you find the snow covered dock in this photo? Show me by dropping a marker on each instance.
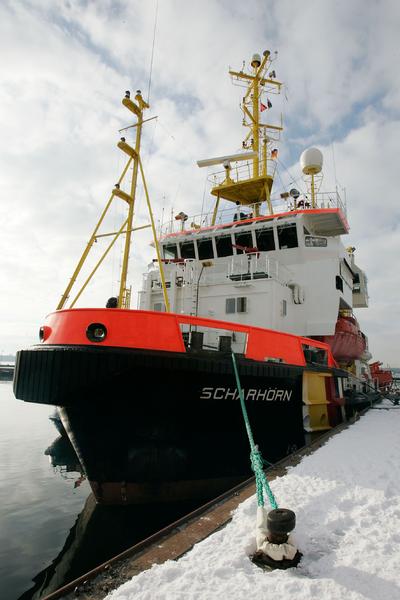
(347, 500)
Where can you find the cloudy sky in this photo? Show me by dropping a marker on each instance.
(65, 65)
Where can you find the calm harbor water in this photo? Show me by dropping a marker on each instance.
(51, 530)
(38, 506)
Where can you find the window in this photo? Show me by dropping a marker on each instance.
(170, 251)
(241, 304)
(315, 355)
(187, 250)
(235, 305)
(356, 282)
(287, 236)
(224, 245)
(205, 249)
(230, 306)
(243, 239)
(339, 283)
(284, 308)
(265, 240)
(158, 307)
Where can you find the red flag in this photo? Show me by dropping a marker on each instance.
(265, 106)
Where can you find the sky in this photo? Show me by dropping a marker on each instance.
(65, 67)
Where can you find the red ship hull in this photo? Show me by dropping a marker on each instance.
(384, 377)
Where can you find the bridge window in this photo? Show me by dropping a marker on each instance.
(245, 240)
(170, 251)
(224, 245)
(287, 236)
(187, 250)
(265, 240)
(205, 249)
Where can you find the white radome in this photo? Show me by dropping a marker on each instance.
(311, 161)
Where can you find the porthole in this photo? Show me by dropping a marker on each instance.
(96, 332)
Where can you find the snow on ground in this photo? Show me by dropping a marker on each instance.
(347, 500)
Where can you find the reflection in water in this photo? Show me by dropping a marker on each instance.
(64, 460)
(100, 532)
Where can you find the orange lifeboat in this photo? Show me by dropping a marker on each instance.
(348, 342)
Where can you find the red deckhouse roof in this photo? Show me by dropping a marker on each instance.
(327, 221)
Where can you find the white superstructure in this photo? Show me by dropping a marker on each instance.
(289, 271)
(277, 263)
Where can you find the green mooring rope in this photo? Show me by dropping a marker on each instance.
(256, 459)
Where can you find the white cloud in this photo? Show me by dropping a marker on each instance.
(65, 66)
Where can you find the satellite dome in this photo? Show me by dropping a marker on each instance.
(311, 161)
(256, 60)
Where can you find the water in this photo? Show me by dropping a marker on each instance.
(38, 506)
(51, 530)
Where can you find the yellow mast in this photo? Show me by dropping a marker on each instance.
(138, 110)
(127, 228)
(65, 296)
(255, 189)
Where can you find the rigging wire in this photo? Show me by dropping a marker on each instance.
(293, 180)
(152, 51)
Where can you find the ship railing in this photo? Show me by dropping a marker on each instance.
(330, 200)
(241, 172)
(227, 215)
(304, 202)
(252, 266)
(232, 213)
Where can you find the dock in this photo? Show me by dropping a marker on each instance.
(178, 538)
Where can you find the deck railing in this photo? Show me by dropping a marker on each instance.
(244, 267)
(241, 172)
(232, 214)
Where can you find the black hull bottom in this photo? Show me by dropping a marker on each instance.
(163, 427)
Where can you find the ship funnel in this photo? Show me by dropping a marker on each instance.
(311, 161)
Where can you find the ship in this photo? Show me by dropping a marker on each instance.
(6, 372)
(148, 396)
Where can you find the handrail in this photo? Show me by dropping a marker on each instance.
(234, 215)
(251, 265)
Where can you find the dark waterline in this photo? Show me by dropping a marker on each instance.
(51, 531)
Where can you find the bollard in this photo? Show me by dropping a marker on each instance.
(275, 548)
